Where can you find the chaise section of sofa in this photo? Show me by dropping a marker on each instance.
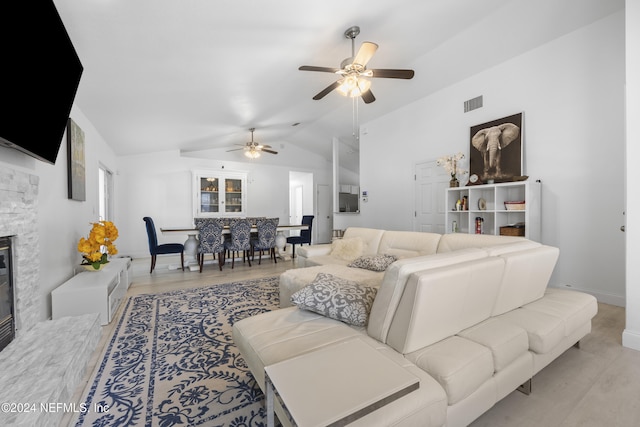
(282, 334)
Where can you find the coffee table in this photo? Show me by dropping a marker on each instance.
(335, 385)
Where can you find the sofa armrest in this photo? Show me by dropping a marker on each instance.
(314, 250)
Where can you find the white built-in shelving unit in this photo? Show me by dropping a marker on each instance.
(487, 201)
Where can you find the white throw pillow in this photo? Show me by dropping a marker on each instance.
(347, 249)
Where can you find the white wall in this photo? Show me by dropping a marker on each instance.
(62, 222)
(631, 335)
(159, 185)
(571, 92)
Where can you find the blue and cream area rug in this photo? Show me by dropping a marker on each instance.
(172, 362)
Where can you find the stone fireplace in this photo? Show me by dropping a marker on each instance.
(18, 220)
(38, 373)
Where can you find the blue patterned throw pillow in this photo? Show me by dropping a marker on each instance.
(336, 298)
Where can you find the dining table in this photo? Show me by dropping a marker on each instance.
(191, 244)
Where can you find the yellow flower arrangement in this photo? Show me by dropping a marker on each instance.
(95, 249)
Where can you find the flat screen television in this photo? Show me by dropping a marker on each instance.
(39, 76)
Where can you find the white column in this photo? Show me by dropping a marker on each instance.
(631, 334)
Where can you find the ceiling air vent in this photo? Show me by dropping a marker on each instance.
(473, 104)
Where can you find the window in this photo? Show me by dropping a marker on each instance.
(105, 193)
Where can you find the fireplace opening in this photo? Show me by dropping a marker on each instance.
(7, 319)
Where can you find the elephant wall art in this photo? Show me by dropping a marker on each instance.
(496, 149)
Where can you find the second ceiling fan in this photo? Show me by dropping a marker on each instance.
(354, 80)
(253, 149)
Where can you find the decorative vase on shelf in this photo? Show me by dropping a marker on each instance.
(454, 182)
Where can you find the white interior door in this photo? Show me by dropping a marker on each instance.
(323, 222)
(430, 184)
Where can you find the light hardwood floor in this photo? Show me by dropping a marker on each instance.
(593, 386)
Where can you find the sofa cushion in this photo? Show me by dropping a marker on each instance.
(347, 249)
(336, 298)
(326, 260)
(575, 308)
(278, 335)
(456, 241)
(506, 341)
(506, 248)
(373, 262)
(441, 302)
(394, 281)
(408, 244)
(526, 276)
(295, 279)
(545, 331)
(370, 237)
(458, 364)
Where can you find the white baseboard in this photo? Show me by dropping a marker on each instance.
(631, 339)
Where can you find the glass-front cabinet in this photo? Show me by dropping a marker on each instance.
(219, 194)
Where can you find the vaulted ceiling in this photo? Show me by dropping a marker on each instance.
(197, 74)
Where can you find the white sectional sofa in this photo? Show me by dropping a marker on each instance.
(470, 316)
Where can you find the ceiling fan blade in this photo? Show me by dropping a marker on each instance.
(322, 69)
(235, 149)
(368, 97)
(326, 90)
(392, 74)
(269, 151)
(365, 53)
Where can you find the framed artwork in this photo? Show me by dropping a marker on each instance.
(75, 161)
(495, 151)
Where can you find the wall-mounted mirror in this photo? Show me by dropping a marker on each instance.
(346, 170)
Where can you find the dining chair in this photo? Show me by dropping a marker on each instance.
(163, 249)
(211, 239)
(254, 222)
(240, 240)
(266, 240)
(305, 235)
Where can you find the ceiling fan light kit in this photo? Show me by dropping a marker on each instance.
(354, 81)
(252, 153)
(353, 86)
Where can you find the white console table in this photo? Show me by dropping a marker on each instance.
(93, 292)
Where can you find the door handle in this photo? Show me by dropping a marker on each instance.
(622, 228)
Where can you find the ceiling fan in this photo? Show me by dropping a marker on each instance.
(252, 149)
(354, 80)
